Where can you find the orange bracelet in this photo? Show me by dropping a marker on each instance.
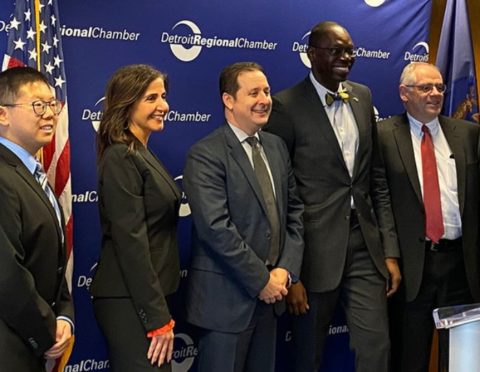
(160, 331)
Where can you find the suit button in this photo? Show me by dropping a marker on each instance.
(60, 270)
(143, 316)
(347, 217)
(421, 240)
(33, 343)
(53, 304)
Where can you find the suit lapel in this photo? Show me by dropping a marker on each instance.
(155, 163)
(274, 162)
(358, 109)
(238, 154)
(456, 146)
(24, 173)
(403, 138)
(320, 117)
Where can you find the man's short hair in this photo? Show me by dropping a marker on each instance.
(319, 30)
(408, 74)
(13, 79)
(229, 76)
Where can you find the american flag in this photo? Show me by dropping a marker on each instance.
(34, 40)
(456, 62)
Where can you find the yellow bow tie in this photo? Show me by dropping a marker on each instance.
(339, 96)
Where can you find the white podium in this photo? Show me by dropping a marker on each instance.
(463, 325)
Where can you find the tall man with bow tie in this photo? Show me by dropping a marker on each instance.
(351, 246)
(432, 165)
(36, 310)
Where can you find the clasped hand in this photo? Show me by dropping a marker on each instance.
(276, 287)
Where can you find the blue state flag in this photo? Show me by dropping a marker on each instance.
(456, 63)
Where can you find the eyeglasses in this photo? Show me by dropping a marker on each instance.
(428, 88)
(336, 51)
(40, 107)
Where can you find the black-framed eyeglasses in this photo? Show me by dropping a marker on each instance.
(336, 51)
(40, 107)
(428, 88)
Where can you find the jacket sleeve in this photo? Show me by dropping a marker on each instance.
(381, 198)
(292, 254)
(21, 306)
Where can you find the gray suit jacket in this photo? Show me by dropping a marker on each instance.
(407, 202)
(33, 290)
(326, 187)
(231, 235)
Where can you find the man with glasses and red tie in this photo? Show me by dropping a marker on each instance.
(432, 165)
(351, 247)
(36, 310)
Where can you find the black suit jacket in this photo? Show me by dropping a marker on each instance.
(33, 290)
(138, 202)
(231, 236)
(326, 187)
(407, 202)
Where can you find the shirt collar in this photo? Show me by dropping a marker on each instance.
(416, 126)
(321, 90)
(27, 159)
(240, 134)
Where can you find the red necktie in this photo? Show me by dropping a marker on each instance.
(431, 190)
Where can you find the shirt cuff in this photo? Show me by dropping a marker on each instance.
(61, 317)
(161, 331)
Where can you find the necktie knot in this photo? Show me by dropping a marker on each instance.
(426, 131)
(253, 141)
(339, 96)
(40, 175)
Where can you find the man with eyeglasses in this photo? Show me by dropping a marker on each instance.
(432, 165)
(351, 246)
(36, 311)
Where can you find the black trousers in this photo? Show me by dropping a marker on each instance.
(444, 283)
(127, 340)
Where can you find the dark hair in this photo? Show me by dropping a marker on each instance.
(229, 76)
(13, 79)
(125, 88)
(319, 30)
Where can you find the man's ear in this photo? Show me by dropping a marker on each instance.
(403, 90)
(311, 54)
(228, 100)
(4, 117)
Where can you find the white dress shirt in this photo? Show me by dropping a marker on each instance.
(242, 136)
(447, 174)
(343, 125)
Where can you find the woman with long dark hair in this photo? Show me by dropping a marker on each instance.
(138, 203)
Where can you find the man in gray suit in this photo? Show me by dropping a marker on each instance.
(351, 246)
(247, 239)
(436, 209)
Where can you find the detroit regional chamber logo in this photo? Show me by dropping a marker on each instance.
(301, 47)
(186, 41)
(419, 52)
(184, 353)
(93, 115)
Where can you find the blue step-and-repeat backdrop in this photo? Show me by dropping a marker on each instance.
(192, 41)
